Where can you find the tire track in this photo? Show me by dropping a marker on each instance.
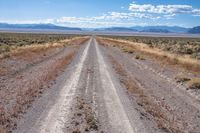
(116, 113)
(57, 116)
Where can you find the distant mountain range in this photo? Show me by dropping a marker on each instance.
(162, 28)
(116, 29)
(155, 29)
(194, 30)
(36, 27)
(158, 29)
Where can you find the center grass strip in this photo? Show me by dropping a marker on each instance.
(163, 120)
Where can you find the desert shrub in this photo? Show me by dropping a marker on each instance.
(177, 45)
(6, 55)
(139, 57)
(22, 39)
(4, 48)
(128, 50)
(196, 55)
(182, 43)
(167, 48)
(188, 51)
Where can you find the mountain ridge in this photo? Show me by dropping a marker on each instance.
(36, 26)
(153, 29)
(195, 30)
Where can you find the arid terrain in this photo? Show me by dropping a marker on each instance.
(53, 83)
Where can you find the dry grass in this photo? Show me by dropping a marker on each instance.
(83, 118)
(44, 47)
(176, 45)
(164, 120)
(22, 57)
(128, 49)
(28, 89)
(180, 78)
(139, 57)
(34, 88)
(35, 48)
(194, 83)
(181, 60)
(11, 41)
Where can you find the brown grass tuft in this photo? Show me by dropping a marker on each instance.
(139, 57)
(36, 48)
(194, 83)
(180, 78)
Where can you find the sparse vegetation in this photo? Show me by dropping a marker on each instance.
(84, 119)
(157, 51)
(194, 83)
(175, 45)
(43, 63)
(166, 121)
(180, 78)
(127, 49)
(22, 39)
(10, 42)
(139, 57)
(25, 94)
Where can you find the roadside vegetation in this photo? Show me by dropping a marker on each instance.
(10, 43)
(176, 45)
(30, 68)
(162, 114)
(184, 52)
(194, 83)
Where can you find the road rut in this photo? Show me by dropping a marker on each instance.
(87, 97)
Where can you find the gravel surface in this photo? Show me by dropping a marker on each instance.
(90, 97)
(179, 105)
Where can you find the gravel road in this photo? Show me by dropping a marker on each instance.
(89, 97)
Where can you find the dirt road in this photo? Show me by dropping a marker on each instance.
(89, 97)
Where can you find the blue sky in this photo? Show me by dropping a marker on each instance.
(102, 13)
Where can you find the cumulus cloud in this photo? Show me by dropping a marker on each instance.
(118, 15)
(135, 11)
(142, 12)
(164, 9)
(109, 19)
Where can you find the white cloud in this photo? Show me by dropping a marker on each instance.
(129, 15)
(136, 15)
(109, 19)
(140, 8)
(164, 9)
(104, 20)
(169, 16)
